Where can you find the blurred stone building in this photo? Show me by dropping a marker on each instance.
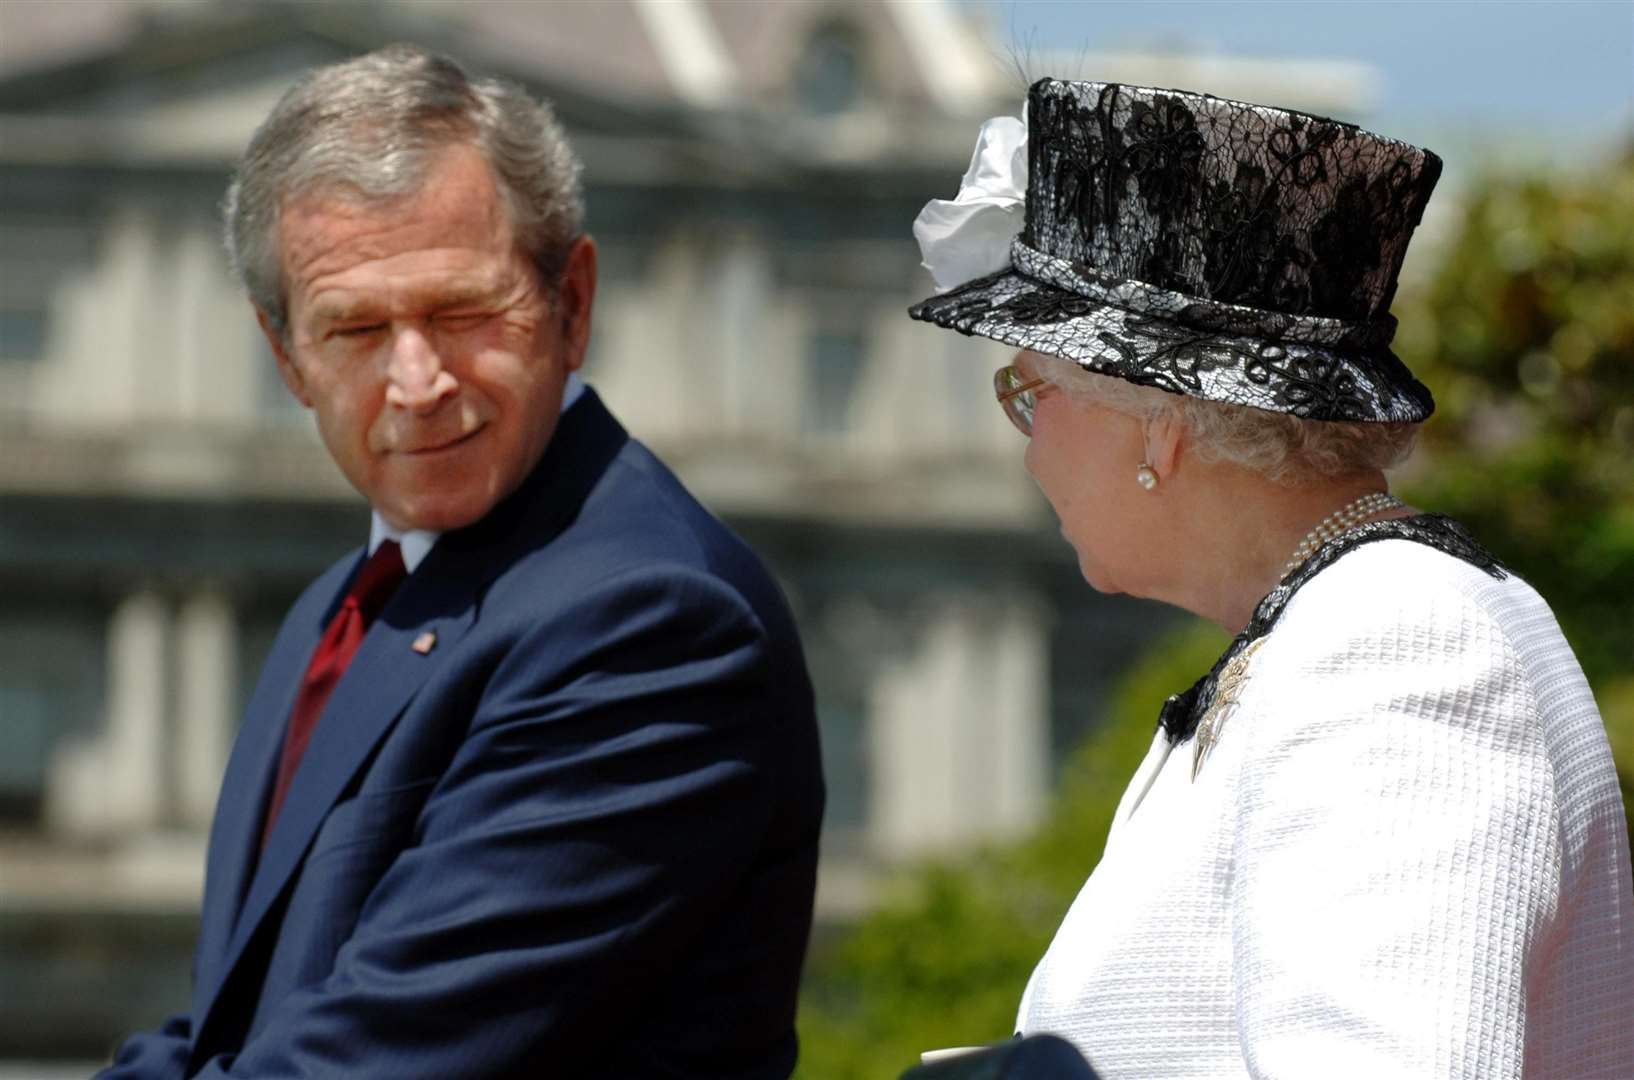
(752, 170)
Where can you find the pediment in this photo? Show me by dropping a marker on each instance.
(651, 91)
(189, 90)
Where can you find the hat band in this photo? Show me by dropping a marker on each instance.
(1211, 316)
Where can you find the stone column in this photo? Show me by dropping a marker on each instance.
(206, 677)
(645, 363)
(1017, 676)
(135, 740)
(960, 731)
(740, 281)
(110, 365)
(917, 736)
(114, 783)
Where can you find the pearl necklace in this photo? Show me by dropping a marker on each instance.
(1342, 520)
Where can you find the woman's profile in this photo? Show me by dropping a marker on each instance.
(1382, 836)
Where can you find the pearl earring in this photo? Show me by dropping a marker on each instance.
(1146, 477)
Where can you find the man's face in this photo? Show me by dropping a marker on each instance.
(425, 343)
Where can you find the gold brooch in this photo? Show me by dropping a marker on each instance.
(1226, 689)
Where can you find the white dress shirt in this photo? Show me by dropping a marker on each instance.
(1405, 856)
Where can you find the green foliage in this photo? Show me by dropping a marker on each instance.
(1526, 335)
(1617, 708)
(944, 961)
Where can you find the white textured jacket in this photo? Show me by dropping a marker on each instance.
(1404, 856)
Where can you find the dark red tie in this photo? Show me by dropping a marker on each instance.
(370, 590)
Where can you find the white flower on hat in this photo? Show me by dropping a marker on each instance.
(969, 237)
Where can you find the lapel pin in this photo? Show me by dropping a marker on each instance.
(425, 642)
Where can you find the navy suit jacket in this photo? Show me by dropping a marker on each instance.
(578, 837)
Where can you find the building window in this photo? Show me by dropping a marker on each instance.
(22, 332)
(834, 362)
(845, 769)
(38, 255)
(51, 686)
(828, 78)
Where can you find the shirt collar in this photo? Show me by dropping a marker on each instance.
(417, 543)
(571, 391)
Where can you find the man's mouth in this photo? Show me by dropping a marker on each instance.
(439, 446)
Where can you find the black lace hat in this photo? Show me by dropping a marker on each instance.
(1234, 252)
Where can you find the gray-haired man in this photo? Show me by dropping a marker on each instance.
(529, 785)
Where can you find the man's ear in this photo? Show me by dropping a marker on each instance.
(280, 352)
(575, 298)
(1165, 436)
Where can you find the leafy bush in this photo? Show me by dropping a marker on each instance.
(1526, 335)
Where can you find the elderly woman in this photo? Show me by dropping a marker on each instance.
(1382, 837)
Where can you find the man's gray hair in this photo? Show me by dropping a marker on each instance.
(1283, 448)
(368, 128)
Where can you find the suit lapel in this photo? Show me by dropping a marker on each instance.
(382, 678)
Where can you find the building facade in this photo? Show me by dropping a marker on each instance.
(751, 174)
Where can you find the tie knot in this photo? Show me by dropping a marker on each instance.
(378, 578)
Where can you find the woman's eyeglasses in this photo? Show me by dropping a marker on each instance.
(1018, 397)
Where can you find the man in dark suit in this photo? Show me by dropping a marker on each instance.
(530, 786)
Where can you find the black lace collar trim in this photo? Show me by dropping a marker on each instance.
(1181, 712)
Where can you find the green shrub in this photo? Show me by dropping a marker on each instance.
(1526, 335)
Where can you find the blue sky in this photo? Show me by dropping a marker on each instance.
(1560, 72)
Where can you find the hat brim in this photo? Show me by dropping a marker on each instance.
(1312, 382)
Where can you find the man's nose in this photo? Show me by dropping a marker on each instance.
(415, 377)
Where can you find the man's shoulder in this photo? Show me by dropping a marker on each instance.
(643, 567)
(638, 524)
(641, 512)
